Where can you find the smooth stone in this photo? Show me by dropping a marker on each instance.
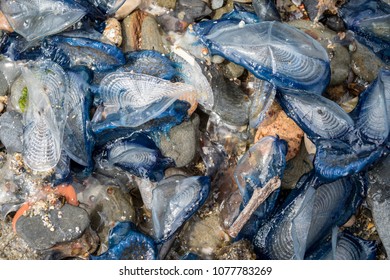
(365, 64)
(232, 70)
(240, 250)
(141, 32)
(113, 31)
(339, 56)
(128, 7)
(228, 7)
(278, 123)
(150, 36)
(204, 236)
(216, 4)
(65, 224)
(191, 10)
(169, 4)
(181, 142)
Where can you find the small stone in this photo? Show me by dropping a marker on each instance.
(42, 234)
(113, 31)
(283, 126)
(232, 70)
(216, 4)
(169, 4)
(128, 7)
(181, 143)
(141, 32)
(3, 85)
(365, 64)
(204, 236)
(240, 250)
(223, 10)
(191, 10)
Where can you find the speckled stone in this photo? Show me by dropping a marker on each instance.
(68, 222)
(113, 31)
(204, 236)
(365, 64)
(232, 70)
(141, 32)
(181, 143)
(240, 250)
(169, 4)
(278, 123)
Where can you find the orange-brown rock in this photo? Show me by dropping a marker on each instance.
(4, 25)
(278, 123)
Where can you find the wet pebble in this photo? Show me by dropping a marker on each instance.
(141, 32)
(365, 64)
(181, 142)
(59, 225)
(194, 238)
(3, 85)
(191, 10)
(232, 70)
(169, 4)
(113, 31)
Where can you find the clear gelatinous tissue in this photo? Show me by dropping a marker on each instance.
(35, 19)
(263, 161)
(126, 242)
(271, 50)
(137, 154)
(346, 143)
(174, 201)
(78, 140)
(130, 99)
(309, 214)
(45, 116)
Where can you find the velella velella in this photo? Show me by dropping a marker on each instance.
(133, 99)
(174, 201)
(44, 119)
(127, 243)
(37, 19)
(77, 139)
(308, 215)
(149, 62)
(347, 247)
(263, 47)
(346, 143)
(137, 154)
(69, 52)
(369, 20)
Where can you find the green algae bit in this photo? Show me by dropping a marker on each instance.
(23, 99)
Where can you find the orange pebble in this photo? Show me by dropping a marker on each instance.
(19, 213)
(69, 193)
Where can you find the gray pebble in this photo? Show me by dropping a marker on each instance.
(191, 10)
(3, 85)
(181, 143)
(68, 223)
(365, 64)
